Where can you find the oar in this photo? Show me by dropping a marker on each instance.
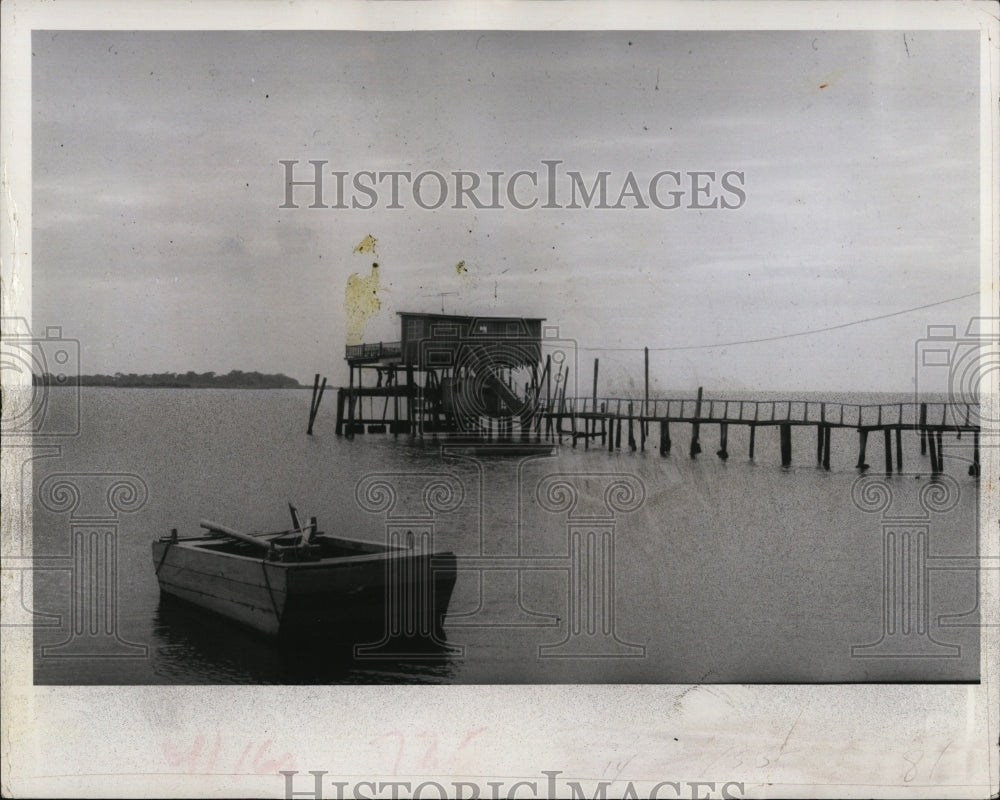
(215, 527)
(295, 517)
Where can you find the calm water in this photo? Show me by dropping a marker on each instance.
(731, 571)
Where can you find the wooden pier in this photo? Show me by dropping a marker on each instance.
(615, 423)
(484, 378)
(594, 418)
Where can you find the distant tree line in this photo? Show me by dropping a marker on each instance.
(236, 379)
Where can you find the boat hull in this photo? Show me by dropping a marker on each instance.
(363, 599)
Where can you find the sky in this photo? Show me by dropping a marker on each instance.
(160, 242)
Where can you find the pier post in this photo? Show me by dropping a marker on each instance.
(631, 434)
(319, 399)
(826, 447)
(548, 397)
(618, 434)
(819, 444)
(887, 438)
(899, 446)
(645, 398)
(341, 396)
(753, 437)
(863, 444)
(350, 404)
(410, 393)
(312, 405)
(723, 451)
(594, 395)
(562, 407)
(395, 402)
(664, 437)
(786, 444)
(604, 423)
(940, 451)
(587, 422)
(923, 429)
(695, 444)
(974, 466)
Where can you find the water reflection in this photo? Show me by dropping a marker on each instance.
(194, 646)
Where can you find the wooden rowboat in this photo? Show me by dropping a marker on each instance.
(302, 583)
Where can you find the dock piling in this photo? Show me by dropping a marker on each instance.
(341, 397)
(427, 411)
(631, 433)
(664, 438)
(312, 405)
(645, 398)
(317, 398)
(350, 405)
(723, 451)
(862, 445)
(923, 429)
(786, 444)
(695, 444)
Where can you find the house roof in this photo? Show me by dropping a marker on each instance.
(466, 316)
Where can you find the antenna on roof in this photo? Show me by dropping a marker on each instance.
(442, 295)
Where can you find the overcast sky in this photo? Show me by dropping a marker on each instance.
(160, 244)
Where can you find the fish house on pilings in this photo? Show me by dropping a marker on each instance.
(473, 375)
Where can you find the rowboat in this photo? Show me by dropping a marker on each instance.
(301, 583)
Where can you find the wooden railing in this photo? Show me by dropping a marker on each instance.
(808, 412)
(372, 352)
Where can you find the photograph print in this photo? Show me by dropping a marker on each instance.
(502, 357)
